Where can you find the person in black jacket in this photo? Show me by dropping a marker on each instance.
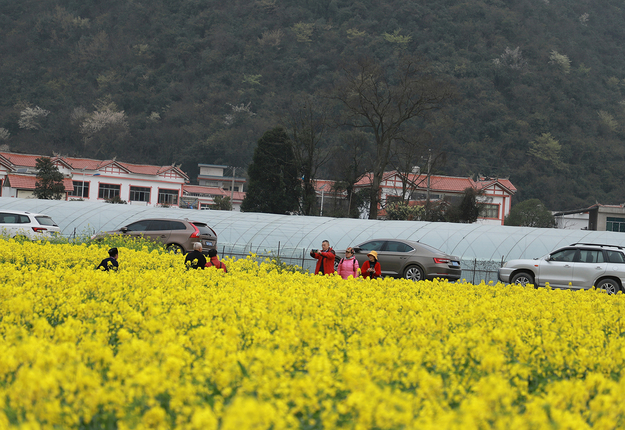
(195, 259)
(111, 262)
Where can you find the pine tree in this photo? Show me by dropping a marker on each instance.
(273, 183)
(49, 183)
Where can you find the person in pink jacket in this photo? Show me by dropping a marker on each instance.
(348, 266)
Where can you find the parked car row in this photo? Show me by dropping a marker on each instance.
(577, 266)
(176, 234)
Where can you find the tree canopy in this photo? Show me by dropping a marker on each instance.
(49, 184)
(530, 213)
(274, 185)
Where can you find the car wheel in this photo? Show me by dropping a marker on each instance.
(174, 248)
(20, 237)
(414, 273)
(610, 286)
(522, 278)
(336, 264)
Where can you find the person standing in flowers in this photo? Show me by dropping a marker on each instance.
(110, 263)
(195, 259)
(371, 268)
(348, 266)
(214, 261)
(325, 259)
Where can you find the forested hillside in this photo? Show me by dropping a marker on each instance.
(539, 83)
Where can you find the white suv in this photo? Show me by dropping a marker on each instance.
(577, 266)
(29, 225)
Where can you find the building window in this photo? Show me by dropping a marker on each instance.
(139, 194)
(108, 191)
(168, 197)
(81, 189)
(615, 224)
(489, 211)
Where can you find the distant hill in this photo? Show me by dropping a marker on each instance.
(540, 82)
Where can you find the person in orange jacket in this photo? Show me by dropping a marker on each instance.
(325, 258)
(371, 268)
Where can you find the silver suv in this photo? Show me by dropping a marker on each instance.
(577, 266)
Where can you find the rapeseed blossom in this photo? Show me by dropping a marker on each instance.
(157, 346)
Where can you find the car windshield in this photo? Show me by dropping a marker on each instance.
(45, 220)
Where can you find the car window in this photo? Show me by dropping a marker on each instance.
(393, 246)
(204, 229)
(45, 220)
(138, 226)
(6, 218)
(24, 219)
(567, 255)
(159, 225)
(590, 256)
(615, 256)
(175, 225)
(374, 245)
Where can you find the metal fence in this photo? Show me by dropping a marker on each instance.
(473, 270)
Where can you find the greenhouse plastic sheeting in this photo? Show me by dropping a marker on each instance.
(295, 235)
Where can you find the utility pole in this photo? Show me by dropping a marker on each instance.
(427, 195)
(234, 170)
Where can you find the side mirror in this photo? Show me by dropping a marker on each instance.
(548, 258)
(124, 229)
(356, 249)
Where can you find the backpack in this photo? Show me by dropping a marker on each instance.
(353, 263)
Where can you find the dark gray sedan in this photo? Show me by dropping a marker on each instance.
(408, 259)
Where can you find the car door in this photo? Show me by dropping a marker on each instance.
(393, 257)
(590, 266)
(557, 270)
(8, 224)
(159, 230)
(136, 229)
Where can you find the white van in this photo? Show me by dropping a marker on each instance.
(30, 225)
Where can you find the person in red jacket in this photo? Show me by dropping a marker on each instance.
(371, 268)
(214, 261)
(325, 259)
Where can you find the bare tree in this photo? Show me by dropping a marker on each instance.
(385, 100)
(349, 163)
(307, 122)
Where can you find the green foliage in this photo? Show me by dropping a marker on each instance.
(403, 211)
(175, 69)
(116, 200)
(273, 181)
(222, 203)
(49, 183)
(468, 209)
(530, 213)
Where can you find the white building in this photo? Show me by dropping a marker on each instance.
(496, 197)
(96, 180)
(212, 175)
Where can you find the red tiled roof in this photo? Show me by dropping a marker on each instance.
(444, 183)
(28, 182)
(216, 191)
(29, 160)
(200, 189)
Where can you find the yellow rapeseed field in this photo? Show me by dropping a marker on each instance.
(156, 346)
